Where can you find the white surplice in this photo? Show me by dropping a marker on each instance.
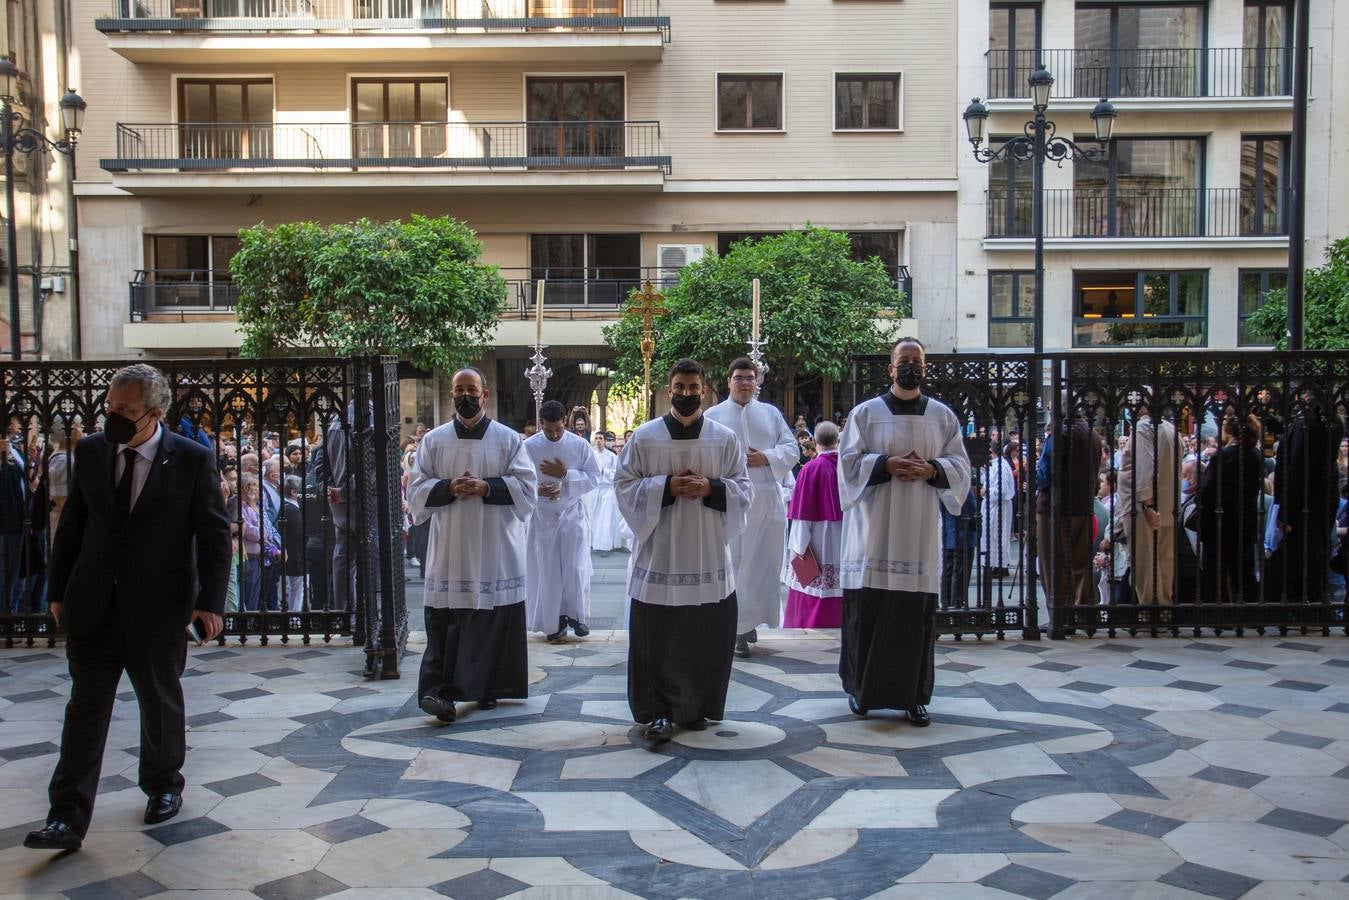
(995, 546)
(682, 555)
(604, 518)
(558, 569)
(757, 553)
(475, 549)
(892, 530)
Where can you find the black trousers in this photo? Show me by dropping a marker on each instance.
(956, 568)
(153, 658)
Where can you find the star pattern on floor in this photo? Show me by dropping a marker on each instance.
(1083, 768)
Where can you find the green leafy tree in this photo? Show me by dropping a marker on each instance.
(413, 289)
(818, 307)
(1325, 318)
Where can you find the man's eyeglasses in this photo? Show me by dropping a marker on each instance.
(743, 379)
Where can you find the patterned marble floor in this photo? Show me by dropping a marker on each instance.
(1160, 768)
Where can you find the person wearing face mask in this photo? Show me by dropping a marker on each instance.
(684, 490)
(475, 483)
(559, 536)
(770, 454)
(902, 454)
(142, 550)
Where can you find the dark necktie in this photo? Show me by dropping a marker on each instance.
(124, 485)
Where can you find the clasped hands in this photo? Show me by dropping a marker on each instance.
(909, 468)
(468, 485)
(755, 459)
(553, 468)
(690, 484)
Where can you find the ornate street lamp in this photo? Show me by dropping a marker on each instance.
(16, 137)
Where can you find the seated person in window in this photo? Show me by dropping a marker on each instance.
(1112, 310)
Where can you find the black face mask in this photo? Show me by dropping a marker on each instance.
(908, 376)
(686, 404)
(468, 406)
(119, 429)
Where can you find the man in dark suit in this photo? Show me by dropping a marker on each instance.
(142, 550)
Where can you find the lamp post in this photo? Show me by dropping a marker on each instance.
(1038, 143)
(16, 137)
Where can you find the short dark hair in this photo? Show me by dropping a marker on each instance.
(482, 379)
(687, 367)
(741, 362)
(552, 411)
(908, 340)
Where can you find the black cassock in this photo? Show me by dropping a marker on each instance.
(889, 647)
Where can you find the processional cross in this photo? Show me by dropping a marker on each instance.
(647, 304)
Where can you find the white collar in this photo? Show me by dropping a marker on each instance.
(148, 449)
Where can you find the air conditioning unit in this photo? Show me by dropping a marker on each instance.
(670, 258)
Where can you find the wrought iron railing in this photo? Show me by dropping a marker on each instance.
(577, 289)
(1202, 540)
(1173, 72)
(240, 407)
(198, 146)
(364, 16)
(1141, 212)
(182, 291)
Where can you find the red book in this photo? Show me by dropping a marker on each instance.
(806, 567)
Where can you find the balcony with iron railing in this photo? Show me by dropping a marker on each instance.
(1152, 73)
(407, 30)
(570, 292)
(1146, 213)
(562, 151)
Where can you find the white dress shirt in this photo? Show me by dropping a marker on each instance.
(144, 459)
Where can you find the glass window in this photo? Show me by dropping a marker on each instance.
(1010, 197)
(1264, 185)
(749, 102)
(1253, 289)
(866, 101)
(1013, 48)
(585, 269)
(1139, 50)
(1140, 309)
(191, 271)
(1011, 309)
(575, 117)
(1266, 48)
(1146, 187)
(399, 117)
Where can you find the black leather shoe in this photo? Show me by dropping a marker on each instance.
(487, 704)
(660, 730)
(919, 717)
(742, 648)
(752, 635)
(857, 708)
(162, 807)
(440, 708)
(580, 629)
(557, 636)
(55, 835)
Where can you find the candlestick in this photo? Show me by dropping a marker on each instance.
(538, 313)
(755, 313)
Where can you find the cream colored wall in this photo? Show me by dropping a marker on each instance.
(808, 40)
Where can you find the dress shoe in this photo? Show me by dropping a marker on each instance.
(55, 835)
(752, 635)
(440, 708)
(487, 704)
(695, 725)
(661, 729)
(742, 648)
(580, 629)
(919, 717)
(557, 636)
(857, 708)
(162, 807)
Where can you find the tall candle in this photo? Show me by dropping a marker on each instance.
(756, 310)
(538, 313)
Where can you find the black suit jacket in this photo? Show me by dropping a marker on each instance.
(170, 556)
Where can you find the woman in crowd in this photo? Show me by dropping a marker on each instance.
(1229, 514)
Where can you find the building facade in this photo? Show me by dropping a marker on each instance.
(592, 144)
(1174, 239)
(32, 38)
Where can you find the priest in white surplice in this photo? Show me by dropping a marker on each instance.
(902, 453)
(476, 484)
(683, 488)
(559, 537)
(770, 453)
